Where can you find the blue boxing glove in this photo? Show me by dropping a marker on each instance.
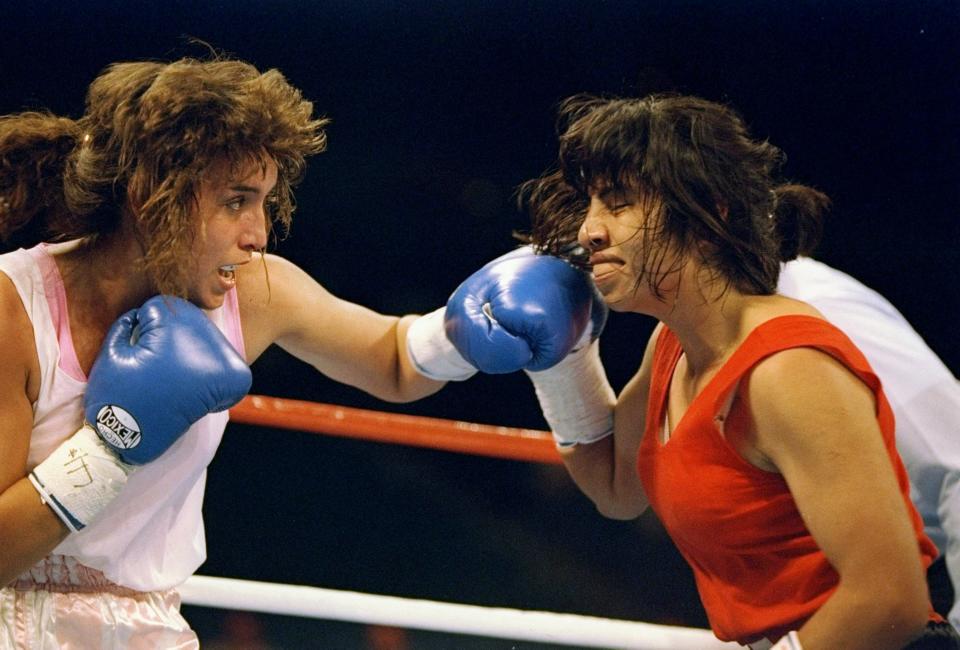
(532, 312)
(524, 311)
(541, 314)
(161, 368)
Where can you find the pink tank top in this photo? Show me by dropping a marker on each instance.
(151, 537)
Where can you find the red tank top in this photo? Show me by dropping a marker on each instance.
(757, 567)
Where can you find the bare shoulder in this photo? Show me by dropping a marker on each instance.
(798, 371)
(281, 303)
(268, 280)
(278, 300)
(803, 398)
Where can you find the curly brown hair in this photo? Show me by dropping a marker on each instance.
(715, 185)
(149, 132)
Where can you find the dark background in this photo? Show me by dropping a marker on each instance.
(439, 110)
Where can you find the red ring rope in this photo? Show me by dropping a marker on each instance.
(415, 430)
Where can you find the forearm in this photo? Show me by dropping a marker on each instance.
(411, 384)
(29, 530)
(579, 406)
(616, 492)
(370, 354)
(576, 399)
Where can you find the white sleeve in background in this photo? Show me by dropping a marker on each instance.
(924, 395)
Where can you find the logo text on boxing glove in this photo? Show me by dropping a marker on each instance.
(118, 427)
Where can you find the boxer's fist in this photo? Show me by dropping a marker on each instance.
(523, 311)
(161, 368)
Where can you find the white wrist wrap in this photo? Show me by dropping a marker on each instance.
(80, 478)
(432, 353)
(576, 398)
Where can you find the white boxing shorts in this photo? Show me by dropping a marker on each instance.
(61, 604)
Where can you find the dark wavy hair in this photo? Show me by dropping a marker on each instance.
(717, 187)
(149, 132)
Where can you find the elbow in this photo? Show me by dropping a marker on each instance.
(888, 600)
(905, 612)
(394, 397)
(914, 615)
(406, 392)
(616, 494)
(907, 623)
(621, 514)
(612, 508)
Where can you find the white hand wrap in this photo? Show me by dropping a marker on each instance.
(80, 478)
(576, 398)
(432, 353)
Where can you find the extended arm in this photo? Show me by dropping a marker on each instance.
(282, 304)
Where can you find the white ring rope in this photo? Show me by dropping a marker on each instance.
(545, 627)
